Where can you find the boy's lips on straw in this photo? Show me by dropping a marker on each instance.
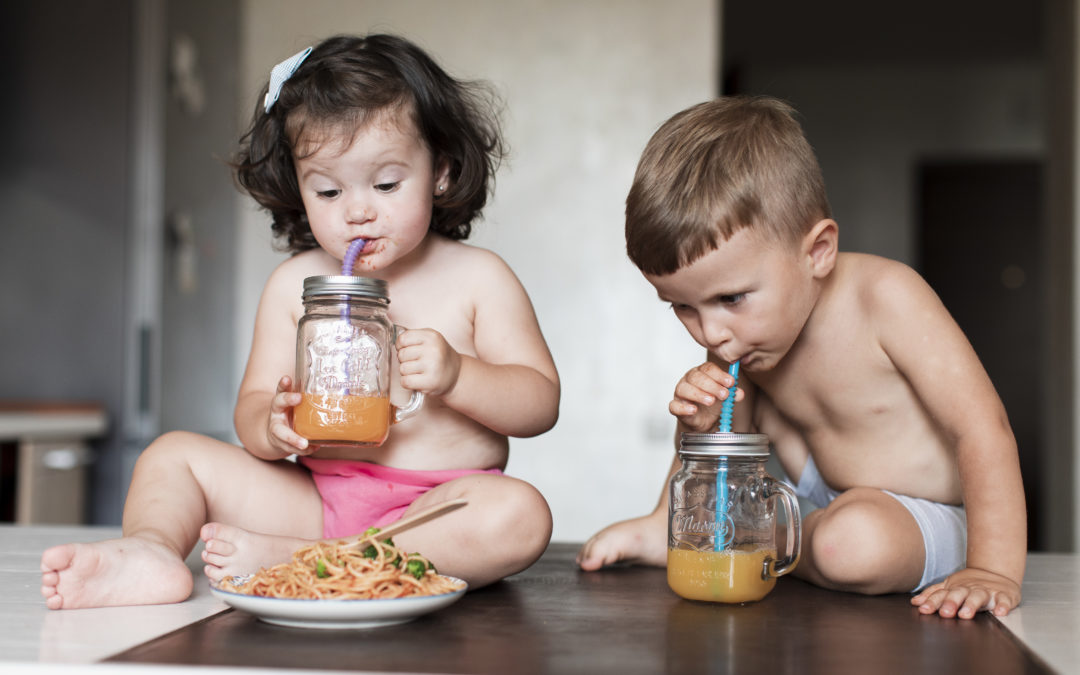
(737, 359)
(741, 360)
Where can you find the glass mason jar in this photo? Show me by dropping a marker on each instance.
(344, 351)
(722, 543)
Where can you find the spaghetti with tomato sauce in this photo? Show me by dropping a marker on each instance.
(344, 570)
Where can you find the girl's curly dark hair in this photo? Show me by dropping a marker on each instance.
(345, 81)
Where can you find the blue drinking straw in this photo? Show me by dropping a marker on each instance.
(729, 402)
(721, 474)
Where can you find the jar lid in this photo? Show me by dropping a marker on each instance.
(723, 444)
(364, 287)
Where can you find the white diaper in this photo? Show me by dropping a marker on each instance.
(943, 526)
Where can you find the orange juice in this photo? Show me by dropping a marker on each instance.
(719, 576)
(363, 420)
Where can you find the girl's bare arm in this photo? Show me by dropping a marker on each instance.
(264, 403)
(511, 386)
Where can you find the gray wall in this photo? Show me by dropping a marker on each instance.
(74, 219)
(199, 268)
(64, 190)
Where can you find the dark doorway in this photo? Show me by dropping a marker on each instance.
(981, 234)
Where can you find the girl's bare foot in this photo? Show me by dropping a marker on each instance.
(231, 550)
(127, 571)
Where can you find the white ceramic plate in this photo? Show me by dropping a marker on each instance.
(338, 614)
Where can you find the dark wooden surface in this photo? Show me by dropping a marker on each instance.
(553, 618)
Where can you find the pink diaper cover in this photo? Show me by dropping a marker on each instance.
(359, 495)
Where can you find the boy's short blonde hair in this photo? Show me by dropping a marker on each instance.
(714, 168)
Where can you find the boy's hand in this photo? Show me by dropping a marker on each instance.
(639, 540)
(428, 363)
(279, 430)
(699, 397)
(968, 591)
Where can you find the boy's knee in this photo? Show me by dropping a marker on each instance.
(852, 549)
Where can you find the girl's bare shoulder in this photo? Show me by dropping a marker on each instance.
(287, 279)
(476, 261)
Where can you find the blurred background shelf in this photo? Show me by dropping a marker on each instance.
(44, 457)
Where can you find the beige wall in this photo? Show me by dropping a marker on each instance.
(585, 84)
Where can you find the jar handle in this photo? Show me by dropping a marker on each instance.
(416, 400)
(781, 490)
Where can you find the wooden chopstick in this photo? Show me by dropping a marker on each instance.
(418, 518)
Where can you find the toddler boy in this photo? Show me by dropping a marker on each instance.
(875, 402)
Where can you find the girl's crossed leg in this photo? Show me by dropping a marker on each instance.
(180, 481)
(504, 528)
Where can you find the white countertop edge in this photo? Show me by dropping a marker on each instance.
(36, 668)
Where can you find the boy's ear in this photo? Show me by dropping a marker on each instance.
(820, 245)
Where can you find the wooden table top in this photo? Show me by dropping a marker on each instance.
(554, 618)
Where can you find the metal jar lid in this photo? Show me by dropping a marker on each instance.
(362, 287)
(723, 444)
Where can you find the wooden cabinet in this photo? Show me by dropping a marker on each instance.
(46, 453)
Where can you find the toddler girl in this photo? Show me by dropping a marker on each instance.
(358, 138)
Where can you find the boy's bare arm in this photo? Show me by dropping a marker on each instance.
(928, 348)
(642, 540)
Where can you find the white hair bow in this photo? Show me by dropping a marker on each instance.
(280, 73)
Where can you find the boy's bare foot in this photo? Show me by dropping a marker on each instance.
(640, 540)
(231, 550)
(127, 571)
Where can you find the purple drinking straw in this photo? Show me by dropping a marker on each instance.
(347, 263)
(353, 252)
(351, 255)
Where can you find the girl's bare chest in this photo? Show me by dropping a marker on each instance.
(450, 316)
